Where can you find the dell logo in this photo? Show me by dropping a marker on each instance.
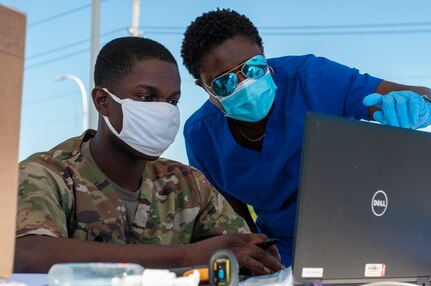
(379, 203)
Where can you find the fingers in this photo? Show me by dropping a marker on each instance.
(373, 99)
(254, 266)
(273, 250)
(269, 261)
(415, 105)
(379, 117)
(253, 238)
(254, 258)
(401, 110)
(259, 261)
(388, 115)
(388, 106)
(398, 108)
(256, 238)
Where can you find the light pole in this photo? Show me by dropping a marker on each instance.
(94, 50)
(134, 29)
(84, 96)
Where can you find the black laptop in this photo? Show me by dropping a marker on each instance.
(364, 205)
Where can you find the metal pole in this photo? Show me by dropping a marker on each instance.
(95, 38)
(134, 29)
(84, 97)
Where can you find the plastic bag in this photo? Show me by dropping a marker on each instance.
(279, 278)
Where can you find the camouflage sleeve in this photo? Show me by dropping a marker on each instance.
(43, 201)
(216, 216)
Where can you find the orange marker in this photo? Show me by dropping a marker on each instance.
(202, 271)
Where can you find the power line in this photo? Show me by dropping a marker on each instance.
(322, 33)
(72, 44)
(350, 26)
(263, 29)
(271, 31)
(31, 25)
(313, 27)
(56, 49)
(56, 97)
(52, 121)
(57, 58)
(347, 33)
(410, 77)
(65, 56)
(175, 29)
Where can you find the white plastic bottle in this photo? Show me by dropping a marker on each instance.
(95, 274)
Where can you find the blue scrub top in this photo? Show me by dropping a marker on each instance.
(268, 180)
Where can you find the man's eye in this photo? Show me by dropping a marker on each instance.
(173, 101)
(147, 98)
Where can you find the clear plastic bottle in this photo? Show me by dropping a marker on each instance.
(95, 274)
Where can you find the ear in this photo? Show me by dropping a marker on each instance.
(214, 101)
(100, 100)
(199, 82)
(217, 103)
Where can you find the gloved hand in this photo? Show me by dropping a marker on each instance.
(400, 108)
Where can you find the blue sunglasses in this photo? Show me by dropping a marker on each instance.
(226, 84)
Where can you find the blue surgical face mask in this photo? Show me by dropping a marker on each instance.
(251, 100)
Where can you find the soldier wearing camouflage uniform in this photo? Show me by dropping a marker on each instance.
(69, 196)
(106, 196)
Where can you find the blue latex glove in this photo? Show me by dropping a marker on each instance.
(400, 108)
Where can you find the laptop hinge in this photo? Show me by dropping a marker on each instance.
(423, 281)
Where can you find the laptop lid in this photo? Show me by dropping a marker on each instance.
(12, 35)
(364, 203)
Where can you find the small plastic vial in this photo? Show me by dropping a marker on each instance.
(95, 274)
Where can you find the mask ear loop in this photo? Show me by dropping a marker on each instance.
(271, 69)
(107, 121)
(114, 97)
(214, 99)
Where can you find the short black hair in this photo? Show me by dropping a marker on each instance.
(117, 57)
(212, 29)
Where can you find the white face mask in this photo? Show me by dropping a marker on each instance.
(148, 127)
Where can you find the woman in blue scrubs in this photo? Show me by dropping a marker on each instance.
(247, 138)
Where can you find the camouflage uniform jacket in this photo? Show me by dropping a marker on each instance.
(62, 194)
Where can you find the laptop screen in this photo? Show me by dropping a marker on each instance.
(364, 203)
(12, 35)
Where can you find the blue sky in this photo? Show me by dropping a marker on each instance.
(390, 39)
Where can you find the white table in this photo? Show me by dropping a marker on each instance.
(29, 279)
